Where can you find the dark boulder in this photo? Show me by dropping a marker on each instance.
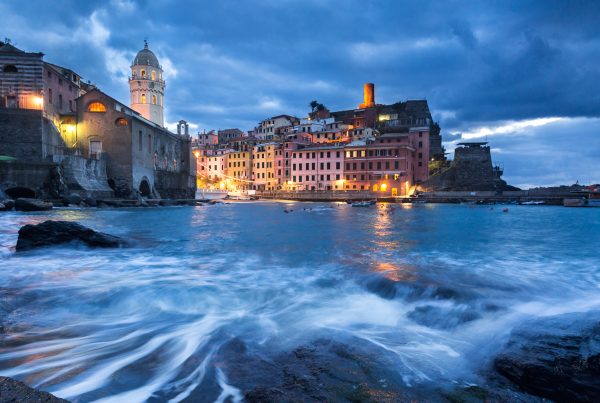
(380, 285)
(7, 205)
(556, 358)
(443, 317)
(56, 232)
(15, 391)
(74, 199)
(91, 202)
(26, 204)
(167, 202)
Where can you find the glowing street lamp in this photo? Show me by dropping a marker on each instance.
(38, 101)
(383, 187)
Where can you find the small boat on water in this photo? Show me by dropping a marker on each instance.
(533, 203)
(210, 194)
(242, 195)
(366, 203)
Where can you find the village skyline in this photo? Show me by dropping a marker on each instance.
(519, 81)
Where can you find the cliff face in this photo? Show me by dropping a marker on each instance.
(471, 169)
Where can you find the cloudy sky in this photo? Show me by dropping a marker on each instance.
(523, 75)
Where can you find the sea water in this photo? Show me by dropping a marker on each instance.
(429, 292)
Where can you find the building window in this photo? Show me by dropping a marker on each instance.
(143, 98)
(60, 101)
(153, 99)
(140, 139)
(95, 148)
(150, 145)
(10, 68)
(11, 101)
(121, 122)
(153, 75)
(143, 73)
(96, 107)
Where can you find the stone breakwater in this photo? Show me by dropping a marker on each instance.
(29, 204)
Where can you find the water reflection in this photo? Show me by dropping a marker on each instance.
(396, 271)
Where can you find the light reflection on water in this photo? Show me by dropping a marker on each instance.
(433, 290)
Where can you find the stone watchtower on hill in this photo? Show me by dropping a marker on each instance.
(147, 86)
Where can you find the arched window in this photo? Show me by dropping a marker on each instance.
(96, 107)
(153, 99)
(121, 122)
(10, 68)
(143, 98)
(143, 73)
(153, 75)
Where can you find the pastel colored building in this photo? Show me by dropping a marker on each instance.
(391, 164)
(267, 166)
(317, 168)
(271, 128)
(239, 169)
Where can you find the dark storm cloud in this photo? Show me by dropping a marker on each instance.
(232, 63)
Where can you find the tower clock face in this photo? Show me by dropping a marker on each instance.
(151, 85)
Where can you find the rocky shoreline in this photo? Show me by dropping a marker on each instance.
(15, 391)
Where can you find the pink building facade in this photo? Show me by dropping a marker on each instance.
(317, 168)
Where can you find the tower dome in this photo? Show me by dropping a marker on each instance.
(146, 57)
(147, 86)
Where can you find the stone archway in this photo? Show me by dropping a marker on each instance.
(145, 189)
(20, 191)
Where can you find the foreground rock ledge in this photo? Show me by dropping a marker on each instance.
(556, 357)
(57, 232)
(15, 391)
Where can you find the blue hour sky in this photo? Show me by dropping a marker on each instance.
(523, 75)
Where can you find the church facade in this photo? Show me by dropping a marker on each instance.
(60, 135)
(142, 155)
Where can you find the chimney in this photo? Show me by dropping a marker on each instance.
(368, 96)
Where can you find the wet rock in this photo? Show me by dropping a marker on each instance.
(15, 391)
(91, 202)
(443, 317)
(382, 286)
(60, 203)
(56, 232)
(26, 204)
(74, 199)
(556, 358)
(320, 371)
(112, 203)
(6, 205)
(167, 202)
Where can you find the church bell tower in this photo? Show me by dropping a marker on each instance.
(147, 86)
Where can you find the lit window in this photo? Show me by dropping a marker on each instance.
(96, 107)
(121, 122)
(143, 98)
(143, 73)
(153, 75)
(153, 99)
